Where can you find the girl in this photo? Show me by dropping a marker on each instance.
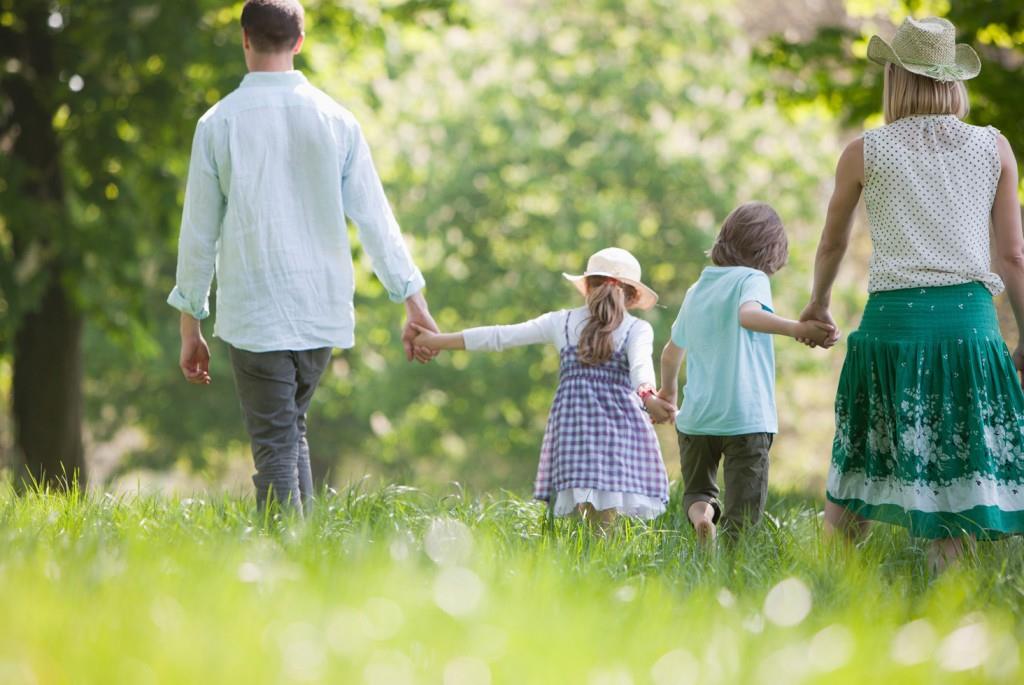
(600, 455)
(929, 411)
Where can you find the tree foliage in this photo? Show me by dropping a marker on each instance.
(831, 69)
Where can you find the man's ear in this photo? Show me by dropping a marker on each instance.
(298, 43)
(245, 40)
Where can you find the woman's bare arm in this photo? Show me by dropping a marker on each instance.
(835, 238)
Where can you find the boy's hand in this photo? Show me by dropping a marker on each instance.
(815, 333)
(669, 396)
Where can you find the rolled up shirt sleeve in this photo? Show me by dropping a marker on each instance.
(200, 229)
(543, 329)
(367, 205)
(640, 350)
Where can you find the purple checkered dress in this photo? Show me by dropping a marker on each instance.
(598, 435)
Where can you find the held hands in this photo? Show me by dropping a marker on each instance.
(816, 320)
(814, 333)
(426, 339)
(417, 318)
(660, 409)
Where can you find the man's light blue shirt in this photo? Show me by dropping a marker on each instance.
(730, 371)
(276, 166)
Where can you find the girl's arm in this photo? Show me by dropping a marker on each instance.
(671, 361)
(543, 329)
(1009, 243)
(835, 238)
(755, 318)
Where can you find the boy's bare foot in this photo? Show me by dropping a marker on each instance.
(702, 516)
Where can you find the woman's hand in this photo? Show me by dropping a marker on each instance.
(819, 313)
(1018, 361)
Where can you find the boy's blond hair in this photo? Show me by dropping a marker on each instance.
(752, 235)
(905, 94)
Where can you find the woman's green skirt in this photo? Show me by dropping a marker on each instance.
(930, 416)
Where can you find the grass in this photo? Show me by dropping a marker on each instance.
(395, 586)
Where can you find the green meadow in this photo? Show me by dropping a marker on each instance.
(395, 586)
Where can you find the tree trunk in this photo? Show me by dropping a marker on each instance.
(47, 391)
(47, 387)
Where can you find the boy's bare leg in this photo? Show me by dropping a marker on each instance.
(702, 516)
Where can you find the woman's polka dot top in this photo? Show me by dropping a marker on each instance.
(929, 185)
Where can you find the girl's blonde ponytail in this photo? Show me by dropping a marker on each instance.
(607, 300)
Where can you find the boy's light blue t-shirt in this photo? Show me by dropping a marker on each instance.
(730, 371)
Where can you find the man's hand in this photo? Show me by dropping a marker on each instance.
(417, 315)
(820, 313)
(195, 354)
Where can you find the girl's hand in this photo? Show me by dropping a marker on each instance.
(814, 333)
(821, 314)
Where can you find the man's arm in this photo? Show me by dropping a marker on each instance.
(367, 206)
(197, 252)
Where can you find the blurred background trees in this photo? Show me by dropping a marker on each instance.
(514, 140)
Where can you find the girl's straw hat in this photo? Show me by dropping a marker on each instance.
(614, 262)
(927, 47)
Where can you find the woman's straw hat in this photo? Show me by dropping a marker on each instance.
(614, 262)
(927, 47)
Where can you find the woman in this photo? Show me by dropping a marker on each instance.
(929, 409)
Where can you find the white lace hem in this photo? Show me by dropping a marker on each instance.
(625, 503)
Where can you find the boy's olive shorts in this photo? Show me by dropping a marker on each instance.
(745, 472)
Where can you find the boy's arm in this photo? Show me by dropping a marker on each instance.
(755, 318)
(671, 361)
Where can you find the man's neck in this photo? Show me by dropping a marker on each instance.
(282, 62)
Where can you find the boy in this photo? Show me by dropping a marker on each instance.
(724, 329)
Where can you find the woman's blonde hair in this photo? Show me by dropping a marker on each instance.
(607, 300)
(905, 94)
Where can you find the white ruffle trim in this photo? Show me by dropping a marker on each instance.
(625, 503)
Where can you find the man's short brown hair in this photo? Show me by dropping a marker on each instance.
(752, 235)
(273, 25)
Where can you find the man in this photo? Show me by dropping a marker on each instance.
(276, 165)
